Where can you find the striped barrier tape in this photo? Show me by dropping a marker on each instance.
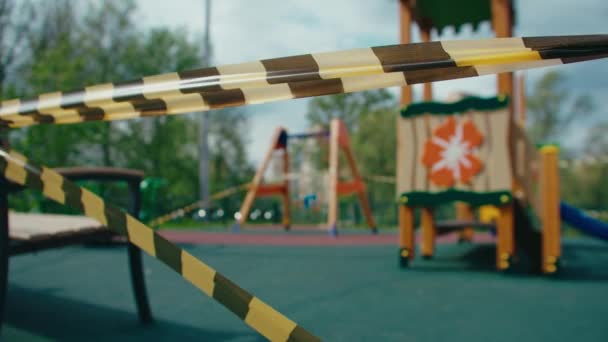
(257, 314)
(180, 212)
(301, 76)
(258, 82)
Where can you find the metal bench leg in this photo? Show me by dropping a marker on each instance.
(139, 284)
(135, 263)
(4, 245)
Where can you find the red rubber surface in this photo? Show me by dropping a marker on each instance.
(287, 239)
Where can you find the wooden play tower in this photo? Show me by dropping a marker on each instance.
(338, 141)
(506, 172)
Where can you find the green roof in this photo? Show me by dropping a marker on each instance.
(466, 104)
(440, 14)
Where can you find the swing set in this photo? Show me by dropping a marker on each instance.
(338, 141)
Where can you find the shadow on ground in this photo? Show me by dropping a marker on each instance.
(44, 314)
(580, 261)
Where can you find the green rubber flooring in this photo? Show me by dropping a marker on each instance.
(338, 293)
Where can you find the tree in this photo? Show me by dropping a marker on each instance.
(12, 31)
(596, 143)
(370, 118)
(595, 174)
(347, 107)
(552, 108)
(73, 44)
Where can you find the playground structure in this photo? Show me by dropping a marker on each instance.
(428, 16)
(431, 15)
(249, 83)
(509, 181)
(471, 151)
(338, 141)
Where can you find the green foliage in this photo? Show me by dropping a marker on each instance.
(552, 108)
(71, 44)
(586, 184)
(370, 118)
(596, 143)
(348, 107)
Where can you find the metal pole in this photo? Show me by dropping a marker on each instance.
(203, 143)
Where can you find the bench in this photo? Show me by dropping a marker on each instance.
(22, 233)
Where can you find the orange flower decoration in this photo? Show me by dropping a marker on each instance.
(448, 154)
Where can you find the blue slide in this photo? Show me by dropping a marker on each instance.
(583, 222)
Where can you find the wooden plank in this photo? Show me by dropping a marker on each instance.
(498, 163)
(406, 143)
(406, 231)
(523, 101)
(480, 181)
(271, 189)
(522, 174)
(257, 179)
(428, 232)
(503, 26)
(34, 226)
(420, 137)
(504, 241)
(434, 121)
(466, 117)
(425, 37)
(460, 120)
(406, 154)
(347, 188)
(358, 183)
(405, 37)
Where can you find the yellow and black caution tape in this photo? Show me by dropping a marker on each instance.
(301, 76)
(180, 212)
(258, 82)
(259, 315)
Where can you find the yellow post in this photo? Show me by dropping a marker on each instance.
(503, 228)
(427, 223)
(504, 237)
(551, 222)
(407, 243)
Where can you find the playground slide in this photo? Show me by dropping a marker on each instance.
(583, 222)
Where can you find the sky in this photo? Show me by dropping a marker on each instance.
(245, 30)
